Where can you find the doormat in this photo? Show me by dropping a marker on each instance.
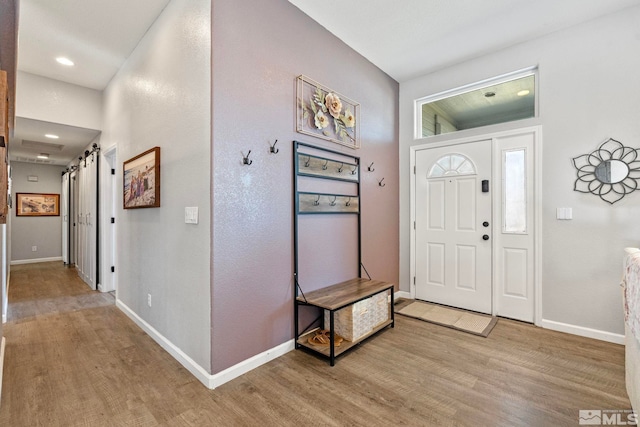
(462, 320)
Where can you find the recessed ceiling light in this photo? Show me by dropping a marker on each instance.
(43, 156)
(489, 94)
(64, 61)
(52, 136)
(523, 92)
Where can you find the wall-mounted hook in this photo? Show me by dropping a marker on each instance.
(348, 202)
(370, 168)
(273, 149)
(341, 167)
(380, 183)
(316, 202)
(333, 202)
(324, 167)
(354, 170)
(306, 163)
(245, 159)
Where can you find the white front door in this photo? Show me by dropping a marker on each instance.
(453, 232)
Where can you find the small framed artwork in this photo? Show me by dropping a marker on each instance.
(37, 204)
(324, 113)
(141, 180)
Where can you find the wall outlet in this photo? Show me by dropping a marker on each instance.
(149, 300)
(34, 249)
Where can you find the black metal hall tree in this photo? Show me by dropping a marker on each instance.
(337, 176)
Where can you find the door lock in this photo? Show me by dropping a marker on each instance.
(485, 237)
(485, 224)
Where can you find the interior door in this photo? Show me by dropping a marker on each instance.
(453, 230)
(73, 217)
(64, 208)
(87, 217)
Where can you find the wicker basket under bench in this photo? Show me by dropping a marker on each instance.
(358, 308)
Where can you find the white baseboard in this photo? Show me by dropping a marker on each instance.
(402, 294)
(198, 371)
(583, 332)
(1, 364)
(36, 260)
(209, 380)
(249, 364)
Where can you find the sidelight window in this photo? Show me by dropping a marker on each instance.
(514, 191)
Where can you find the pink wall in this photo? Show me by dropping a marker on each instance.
(258, 50)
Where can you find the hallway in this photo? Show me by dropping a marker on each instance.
(73, 359)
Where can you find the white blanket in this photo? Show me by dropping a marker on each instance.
(631, 283)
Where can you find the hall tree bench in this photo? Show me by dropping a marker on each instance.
(377, 297)
(352, 310)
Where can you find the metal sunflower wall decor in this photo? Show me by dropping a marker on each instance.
(610, 172)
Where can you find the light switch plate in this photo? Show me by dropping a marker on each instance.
(191, 215)
(559, 213)
(564, 213)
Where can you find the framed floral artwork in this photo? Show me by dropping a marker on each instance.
(324, 113)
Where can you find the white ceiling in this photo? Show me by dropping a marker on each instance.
(28, 132)
(410, 38)
(404, 38)
(98, 35)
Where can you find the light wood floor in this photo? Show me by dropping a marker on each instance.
(73, 359)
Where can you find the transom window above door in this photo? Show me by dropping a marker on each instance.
(452, 164)
(497, 100)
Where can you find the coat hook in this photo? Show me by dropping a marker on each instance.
(245, 159)
(333, 202)
(273, 149)
(380, 183)
(348, 202)
(306, 163)
(354, 170)
(316, 202)
(324, 167)
(341, 167)
(370, 168)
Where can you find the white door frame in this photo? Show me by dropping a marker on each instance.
(537, 131)
(108, 205)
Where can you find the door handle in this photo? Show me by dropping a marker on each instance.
(485, 237)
